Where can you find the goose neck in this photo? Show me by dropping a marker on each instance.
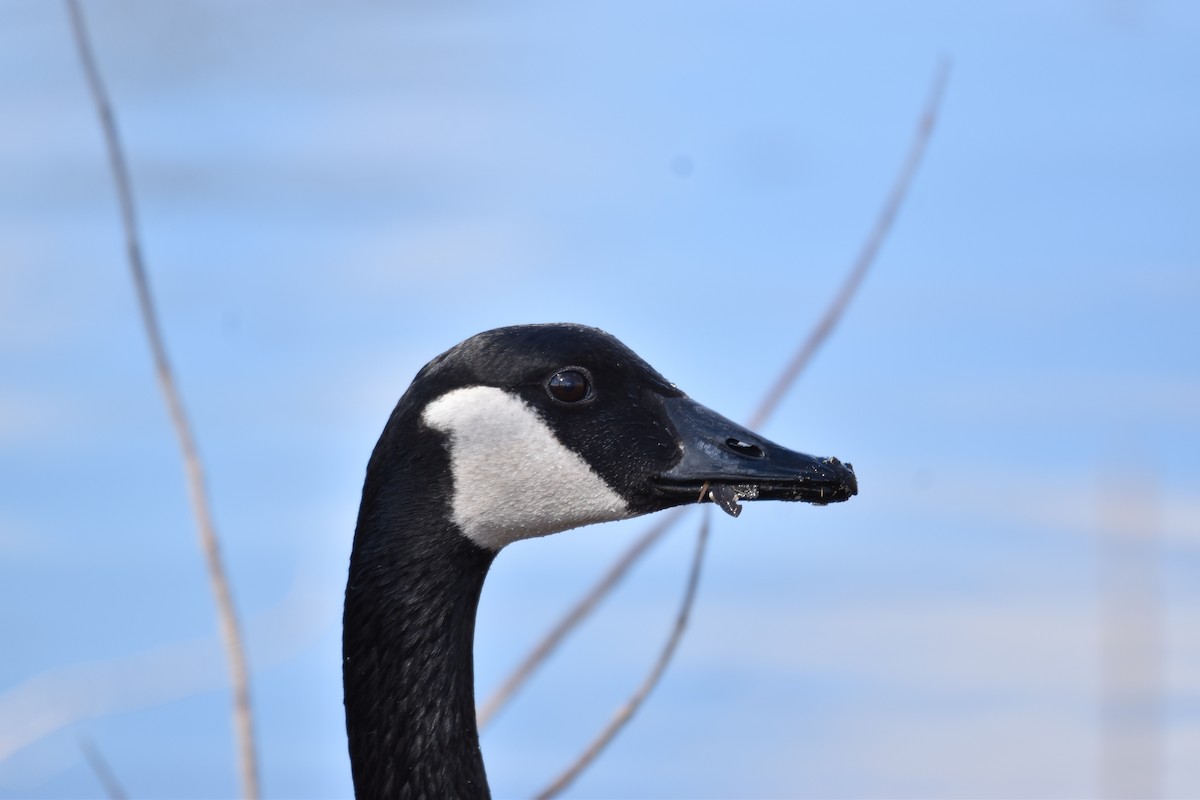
(408, 670)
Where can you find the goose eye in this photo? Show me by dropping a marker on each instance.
(569, 386)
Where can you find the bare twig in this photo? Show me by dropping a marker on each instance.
(866, 256)
(802, 358)
(201, 506)
(787, 378)
(634, 702)
(103, 772)
(576, 615)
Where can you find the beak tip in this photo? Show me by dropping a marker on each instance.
(847, 480)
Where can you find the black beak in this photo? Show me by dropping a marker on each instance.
(724, 463)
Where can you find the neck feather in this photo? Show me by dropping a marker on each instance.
(408, 634)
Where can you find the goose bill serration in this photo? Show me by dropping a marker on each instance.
(515, 433)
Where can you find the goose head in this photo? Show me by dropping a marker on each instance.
(549, 427)
(515, 433)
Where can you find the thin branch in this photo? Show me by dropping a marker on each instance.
(572, 618)
(799, 361)
(201, 506)
(866, 256)
(625, 712)
(770, 402)
(102, 770)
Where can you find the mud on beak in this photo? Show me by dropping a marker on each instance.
(722, 462)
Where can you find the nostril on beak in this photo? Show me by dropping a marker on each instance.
(744, 448)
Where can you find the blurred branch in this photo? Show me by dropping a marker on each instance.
(104, 773)
(577, 614)
(866, 256)
(771, 402)
(201, 506)
(625, 712)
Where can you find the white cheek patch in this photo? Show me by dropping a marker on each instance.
(513, 478)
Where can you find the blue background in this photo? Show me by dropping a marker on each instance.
(330, 195)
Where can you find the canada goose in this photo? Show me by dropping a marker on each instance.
(514, 433)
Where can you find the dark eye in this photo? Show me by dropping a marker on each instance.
(569, 386)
